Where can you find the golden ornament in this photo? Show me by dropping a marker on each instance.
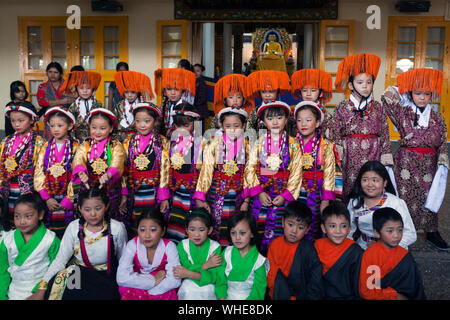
(308, 160)
(57, 170)
(230, 168)
(141, 162)
(99, 166)
(177, 161)
(274, 162)
(10, 164)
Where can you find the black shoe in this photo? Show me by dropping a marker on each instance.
(435, 239)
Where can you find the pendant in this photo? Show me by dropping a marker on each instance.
(274, 162)
(57, 170)
(141, 162)
(10, 164)
(177, 161)
(230, 168)
(308, 161)
(99, 166)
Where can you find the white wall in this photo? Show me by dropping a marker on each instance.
(142, 17)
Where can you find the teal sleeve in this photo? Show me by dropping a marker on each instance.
(259, 284)
(52, 252)
(221, 279)
(5, 277)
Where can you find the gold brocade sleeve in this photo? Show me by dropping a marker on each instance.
(208, 164)
(39, 174)
(37, 148)
(80, 158)
(294, 184)
(70, 191)
(250, 173)
(165, 164)
(117, 157)
(124, 176)
(329, 166)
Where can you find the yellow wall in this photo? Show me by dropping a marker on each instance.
(142, 14)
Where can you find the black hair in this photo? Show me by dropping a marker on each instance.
(150, 112)
(34, 200)
(227, 114)
(14, 87)
(275, 112)
(153, 213)
(55, 65)
(4, 214)
(122, 64)
(298, 210)
(181, 120)
(61, 115)
(77, 68)
(383, 215)
(238, 217)
(312, 109)
(104, 116)
(202, 67)
(199, 214)
(90, 193)
(335, 208)
(185, 64)
(357, 191)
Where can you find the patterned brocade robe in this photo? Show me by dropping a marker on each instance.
(414, 172)
(81, 128)
(359, 139)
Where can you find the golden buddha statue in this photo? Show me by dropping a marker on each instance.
(272, 56)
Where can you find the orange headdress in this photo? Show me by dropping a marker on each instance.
(312, 78)
(356, 64)
(231, 84)
(77, 78)
(133, 81)
(181, 79)
(267, 80)
(421, 79)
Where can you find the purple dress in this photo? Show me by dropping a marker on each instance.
(359, 137)
(415, 168)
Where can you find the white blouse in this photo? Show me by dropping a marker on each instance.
(126, 277)
(365, 221)
(128, 114)
(96, 250)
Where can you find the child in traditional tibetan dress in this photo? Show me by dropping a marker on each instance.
(84, 83)
(19, 153)
(359, 125)
(52, 177)
(421, 163)
(317, 86)
(242, 275)
(275, 172)
(173, 84)
(220, 186)
(134, 87)
(27, 251)
(199, 258)
(89, 252)
(268, 85)
(146, 268)
(184, 168)
(230, 91)
(389, 271)
(147, 160)
(99, 160)
(318, 163)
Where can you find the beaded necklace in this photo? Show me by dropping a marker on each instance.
(100, 163)
(6, 171)
(58, 172)
(177, 158)
(88, 110)
(309, 160)
(273, 160)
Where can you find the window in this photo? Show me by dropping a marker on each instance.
(336, 43)
(418, 42)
